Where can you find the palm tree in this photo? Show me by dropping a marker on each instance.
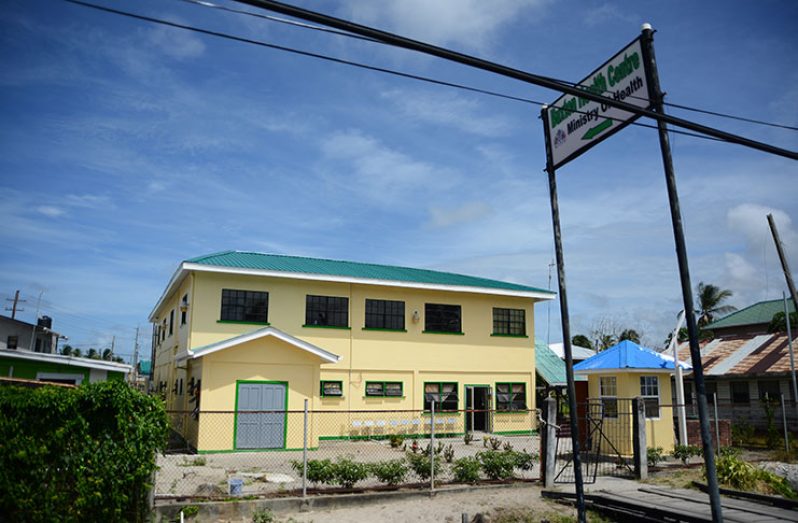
(631, 335)
(107, 355)
(93, 354)
(580, 340)
(66, 350)
(710, 302)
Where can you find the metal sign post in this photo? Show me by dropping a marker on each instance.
(656, 95)
(566, 324)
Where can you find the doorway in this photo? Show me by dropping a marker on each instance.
(478, 403)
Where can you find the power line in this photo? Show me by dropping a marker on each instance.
(357, 64)
(270, 18)
(661, 117)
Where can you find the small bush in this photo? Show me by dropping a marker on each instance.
(421, 466)
(319, 470)
(685, 452)
(735, 473)
(448, 453)
(390, 472)
(262, 515)
(396, 440)
(654, 456)
(189, 511)
(491, 442)
(347, 472)
(466, 470)
(468, 438)
(742, 433)
(497, 465)
(525, 460)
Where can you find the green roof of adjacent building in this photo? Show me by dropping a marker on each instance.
(757, 313)
(550, 367)
(317, 266)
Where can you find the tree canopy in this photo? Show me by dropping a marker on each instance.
(710, 303)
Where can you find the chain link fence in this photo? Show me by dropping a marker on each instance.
(215, 455)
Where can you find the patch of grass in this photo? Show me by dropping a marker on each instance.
(565, 515)
(189, 511)
(199, 461)
(678, 478)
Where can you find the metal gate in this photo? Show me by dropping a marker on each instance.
(605, 434)
(260, 415)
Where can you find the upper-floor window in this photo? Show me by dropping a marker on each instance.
(442, 318)
(511, 322)
(329, 311)
(385, 314)
(12, 342)
(183, 309)
(171, 321)
(769, 390)
(163, 330)
(649, 390)
(248, 306)
(511, 396)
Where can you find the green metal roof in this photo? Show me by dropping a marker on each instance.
(301, 265)
(757, 313)
(550, 367)
(145, 367)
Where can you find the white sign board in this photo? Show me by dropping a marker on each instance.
(576, 124)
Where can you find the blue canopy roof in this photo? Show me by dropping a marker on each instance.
(627, 355)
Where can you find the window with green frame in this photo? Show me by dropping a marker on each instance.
(332, 389)
(509, 322)
(384, 389)
(444, 394)
(510, 396)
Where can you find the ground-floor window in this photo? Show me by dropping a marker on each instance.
(608, 392)
(649, 390)
(384, 388)
(740, 392)
(444, 394)
(511, 396)
(332, 388)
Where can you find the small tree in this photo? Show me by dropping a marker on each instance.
(580, 340)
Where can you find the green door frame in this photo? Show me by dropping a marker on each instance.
(285, 414)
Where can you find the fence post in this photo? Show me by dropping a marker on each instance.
(717, 423)
(305, 454)
(784, 419)
(639, 438)
(432, 449)
(550, 449)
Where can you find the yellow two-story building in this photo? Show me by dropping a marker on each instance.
(242, 339)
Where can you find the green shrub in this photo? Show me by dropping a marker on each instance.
(497, 465)
(468, 438)
(319, 471)
(396, 440)
(448, 453)
(525, 460)
(390, 472)
(420, 464)
(742, 433)
(189, 511)
(735, 473)
(654, 455)
(83, 454)
(347, 472)
(466, 470)
(262, 515)
(685, 452)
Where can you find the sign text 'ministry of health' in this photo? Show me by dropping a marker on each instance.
(576, 124)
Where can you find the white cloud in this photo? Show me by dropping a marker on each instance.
(379, 172)
(176, 43)
(469, 23)
(89, 201)
(466, 213)
(606, 12)
(51, 211)
(464, 114)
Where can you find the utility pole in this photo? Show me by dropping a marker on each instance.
(136, 357)
(33, 334)
(783, 259)
(113, 344)
(13, 308)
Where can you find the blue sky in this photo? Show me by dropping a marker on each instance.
(127, 147)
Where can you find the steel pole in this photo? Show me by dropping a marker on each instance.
(792, 354)
(566, 323)
(432, 448)
(680, 406)
(656, 95)
(305, 453)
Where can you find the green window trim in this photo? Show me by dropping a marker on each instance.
(510, 409)
(509, 335)
(340, 385)
(326, 327)
(264, 323)
(440, 385)
(383, 329)
(444, 332)
(384, 393)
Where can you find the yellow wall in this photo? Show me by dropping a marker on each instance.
(412, 357)
(265, 359)
(659, 431)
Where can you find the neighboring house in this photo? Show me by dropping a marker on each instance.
(550, 376)
(577, 353)
(55, 368)
(21, 335)
(238, 331)
(744, 363)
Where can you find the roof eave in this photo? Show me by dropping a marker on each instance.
(539, 295)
